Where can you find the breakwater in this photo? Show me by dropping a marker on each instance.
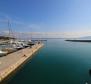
(79, 40)
(13, 61)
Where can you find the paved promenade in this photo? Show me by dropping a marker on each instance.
(10, 62)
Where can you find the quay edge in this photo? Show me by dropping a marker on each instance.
(5, 74)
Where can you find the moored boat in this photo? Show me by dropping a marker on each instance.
(2, 53)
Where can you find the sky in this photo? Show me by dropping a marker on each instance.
(46, 15)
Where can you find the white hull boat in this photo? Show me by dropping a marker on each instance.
(2, 53)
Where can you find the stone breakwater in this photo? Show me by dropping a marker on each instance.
(18, 58)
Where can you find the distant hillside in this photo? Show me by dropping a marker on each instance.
(5, 38)
(86, 37)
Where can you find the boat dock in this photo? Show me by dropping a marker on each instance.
(13, 61)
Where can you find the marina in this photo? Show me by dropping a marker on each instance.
(12, 61)
(45, 41)
(15, 52)
(68, 64)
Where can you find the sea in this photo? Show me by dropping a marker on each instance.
(58, 62)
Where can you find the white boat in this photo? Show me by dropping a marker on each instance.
(18, 46)
(2, 53)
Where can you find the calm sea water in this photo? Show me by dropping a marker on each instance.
(59, 62)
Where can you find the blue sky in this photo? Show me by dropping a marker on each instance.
(46, 15)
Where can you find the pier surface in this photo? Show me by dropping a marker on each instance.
(12, 61)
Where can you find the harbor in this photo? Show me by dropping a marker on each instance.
(69, 64)
(13, 61)
(16, 49)
(45, 41)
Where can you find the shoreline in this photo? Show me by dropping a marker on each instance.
(25, 56)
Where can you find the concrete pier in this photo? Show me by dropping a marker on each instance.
(11, 62)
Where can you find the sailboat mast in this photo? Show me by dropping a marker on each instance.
(9, 30)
